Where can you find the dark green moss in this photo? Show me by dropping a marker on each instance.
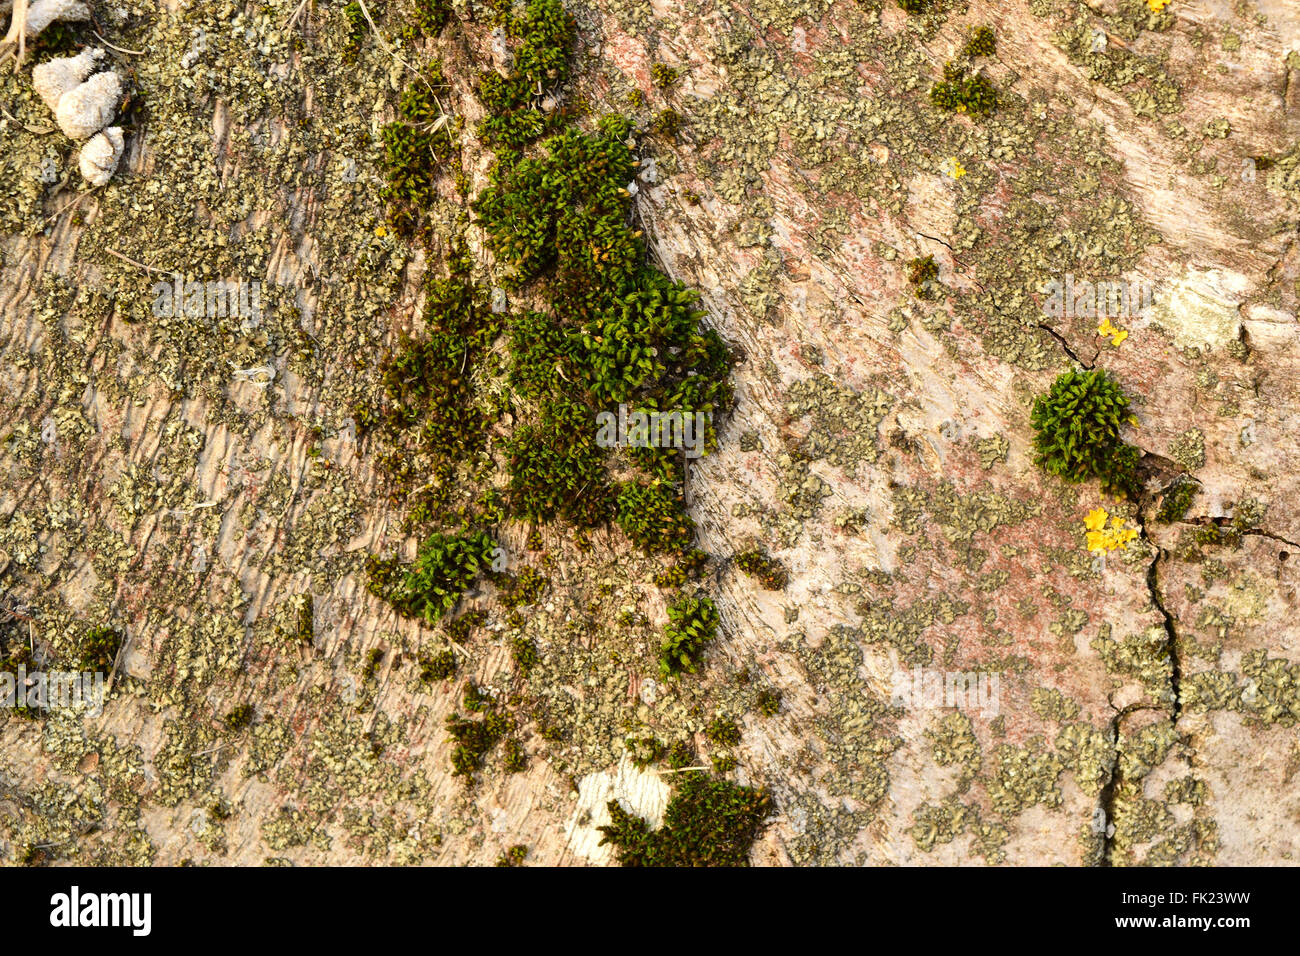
(524, 653)
(769, 703)
(722, 732)
(692, 623)
(98, 650)
(1176, 501)
(239, 717)
(964, 92)
(441, 666)
(709, 822)
(445, 567)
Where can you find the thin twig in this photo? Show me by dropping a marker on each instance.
(118, 48)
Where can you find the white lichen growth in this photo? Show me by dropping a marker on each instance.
(87, 108)
(101, 154)
(83, 105)
(62, 75)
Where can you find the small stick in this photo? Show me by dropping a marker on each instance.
(117, 48)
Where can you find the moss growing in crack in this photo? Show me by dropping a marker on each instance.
(692, 623)
(769, 702)
(1077, 427)
(770, 572)
(1176, 501)
(709, 822)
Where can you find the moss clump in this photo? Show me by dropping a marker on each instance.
(427, 19)
(474, 738)
(723, 732)
(961, 91)
(98, 651)
(239, 718)
(654, 518)
(664, 75)
(666, 123)
(917, 7)
(440, 666)
(923, 273)
(770, 572)
(980, 43)
(709, 822)
(644, 751)
(1176, 502)
(1077, 431)
(355, 27)
(524, 653)
(545, 32)
(527, 587)
(433, 583)
(514, 856)
(692, 623)
(769, 703)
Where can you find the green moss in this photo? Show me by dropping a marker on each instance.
(770, 572)
(1077, 431)
(526, 587)
(440, 666)
(443, 570)
(239, 717)
(769, 702)
(98, 651)
(980, 43)
(524, 653)
(1176, 501)
(664, 75)
(964, 92)
(692, 623)
(514, 856)
(708, 822)
(722, 732)
(475, 738)
(356, 27)
(654, 518)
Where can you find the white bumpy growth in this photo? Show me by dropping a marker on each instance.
(82, 104)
